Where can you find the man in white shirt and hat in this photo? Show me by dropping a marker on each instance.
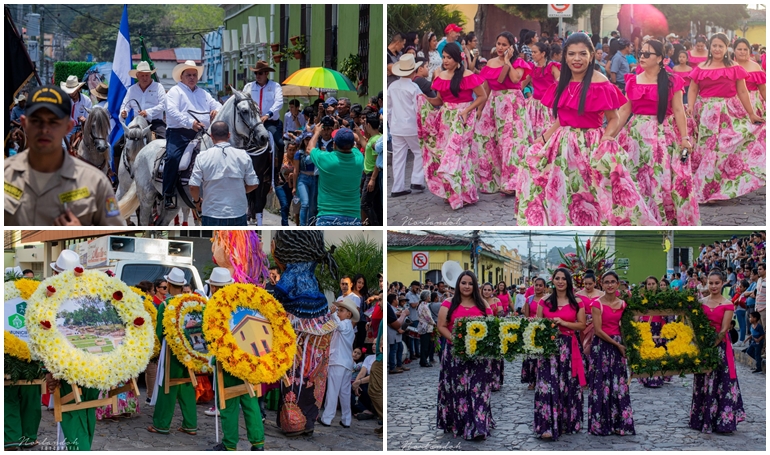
(268, 95)
(220, 277)
(67, 260)
(18, 109)
(80, 104)
(182, 125)
(345, 314)
(146, 98)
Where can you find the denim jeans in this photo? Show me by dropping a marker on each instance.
(391, 357)
(755, 351)
(306, 190)
(238, 221)
(337, 220)
(283, 193)
(177, 140)
(740, 314)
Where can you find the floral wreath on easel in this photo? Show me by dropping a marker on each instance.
(216, 328)
(65, 361)
(150, 307)
(173, 327)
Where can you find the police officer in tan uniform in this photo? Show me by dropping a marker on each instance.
(44, 185)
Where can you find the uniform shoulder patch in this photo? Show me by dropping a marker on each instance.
(13, 191)
(111, 207)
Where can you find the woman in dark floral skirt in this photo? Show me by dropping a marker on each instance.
(529, 366)
(498, 366)
(717, 405)
(558, 397)
(609, 404)
(464, 386)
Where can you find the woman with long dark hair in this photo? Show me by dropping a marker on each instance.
(503, 132)
(591, 292)
(501, 292)
(446, 134)
(428, 50)
(729, 157)
(558, 397)
(717, 405)
(755, 83)
(575, 173)
(682, 69)
(361, 290)
(545, 74)
(655, 137)
(464, 386)
(497, 366)
(700, 53)
(529, 366)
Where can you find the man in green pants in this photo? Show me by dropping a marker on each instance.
(375, 380)
(79, 426)
(184, 393)
(255, 430)
(22, 416)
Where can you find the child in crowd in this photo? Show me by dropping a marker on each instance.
(345, 313)
(757, 340)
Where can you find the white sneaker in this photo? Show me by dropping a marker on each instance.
(212, 411)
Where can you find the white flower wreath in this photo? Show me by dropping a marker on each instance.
(529, 337)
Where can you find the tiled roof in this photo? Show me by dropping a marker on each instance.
(404, 239)
(178, 55)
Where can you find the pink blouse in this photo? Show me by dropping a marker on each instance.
(601, 96)
(685, 75)
(718, 83)
(610, 317)
(644, 97)
(505, 301)
(466, 88)
(542, 79)
(755, 79)
(462, 312)
(715, 315)
(492, 74)
(695, 61)
(566, 313)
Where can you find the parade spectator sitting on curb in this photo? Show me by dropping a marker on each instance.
(338, 386)
(221, 177)
(361, 390)
(46, 186)
(338, 179)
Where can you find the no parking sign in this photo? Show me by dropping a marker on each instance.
(559, 10)
(420, 260)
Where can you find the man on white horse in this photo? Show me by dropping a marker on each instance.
(269, 97)
(151, 99)
(80, 104)
(182, 125)
(45, 185)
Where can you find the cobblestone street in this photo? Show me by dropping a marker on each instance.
(660, 417)
(425, 209)
(132, 434)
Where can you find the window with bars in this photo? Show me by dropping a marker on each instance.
(304, 30)
(330, 43)
(363, 46)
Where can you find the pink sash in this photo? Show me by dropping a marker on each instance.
(577, 362)
(730, 359)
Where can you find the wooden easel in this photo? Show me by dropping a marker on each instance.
(62, 404)
(41, 382)
(168, 382)
(225, 393)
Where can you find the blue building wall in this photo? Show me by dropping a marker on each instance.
(212, 61)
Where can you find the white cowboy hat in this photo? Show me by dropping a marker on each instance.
(67, 260)
(405, 65)
(349, 304)
(142, 67)
(176, 277)
(671, 35)
(220, 276)
(20, 99)
(176, 73)
(72, 85)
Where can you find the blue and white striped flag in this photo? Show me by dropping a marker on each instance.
(119, 80)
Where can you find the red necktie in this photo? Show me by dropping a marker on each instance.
(261, 90)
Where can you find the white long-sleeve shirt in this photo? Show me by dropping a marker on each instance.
(269, 98)
(402, 107)
(180, 99)
(341, 348)
(79, 108)
(152, 100)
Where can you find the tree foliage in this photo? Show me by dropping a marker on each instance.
(680, 15)
(354, 255)
(539, 13)
(407, 18)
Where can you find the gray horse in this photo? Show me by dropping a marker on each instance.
(94, 148)
(137, 135)
(246, 132)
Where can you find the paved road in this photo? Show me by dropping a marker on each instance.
(660, 417)
(132, 434)
(268, 219)
(425, 209)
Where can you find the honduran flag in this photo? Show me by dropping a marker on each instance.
(119, 80)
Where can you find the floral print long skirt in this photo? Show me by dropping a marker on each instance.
(464, 393)
(574, 180)
(497, 369)
(539, 117)
(558, 397)
(757, 103)
(609, 403)
(502, 136)
(717, 405)
(654, 158)
(528, 371)
(448, 156)
(127, 404)
(729, 157)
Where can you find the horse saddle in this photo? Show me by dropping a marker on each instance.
(185, 164)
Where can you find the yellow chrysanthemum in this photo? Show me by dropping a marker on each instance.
(15, 347)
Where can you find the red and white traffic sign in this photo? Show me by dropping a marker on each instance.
(420, 260)
(559, 10)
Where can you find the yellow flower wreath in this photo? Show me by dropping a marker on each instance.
(23, 288)
(15, 346)
(173, 328)
(216, 329)
(150, 307)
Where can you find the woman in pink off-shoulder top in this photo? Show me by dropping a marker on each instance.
(757, 79)
(545, 74)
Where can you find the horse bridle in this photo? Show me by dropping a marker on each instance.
(252, 129)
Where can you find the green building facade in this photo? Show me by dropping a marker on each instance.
(332, 34)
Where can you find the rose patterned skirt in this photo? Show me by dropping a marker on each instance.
(575, 180)
(757, 103)
(449, 159)
(528, 371)
(609, 403)
(464, 391)
(539, 117)
(558, 398)
(729, 157)
(654, 158)
(502, 136)
(717, 405)
(497, 369)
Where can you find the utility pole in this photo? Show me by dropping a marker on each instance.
(529, 247)
(475, 253)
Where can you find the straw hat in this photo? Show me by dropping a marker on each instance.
(142, 67)
(72, 85)
(405, 65)
(67, 260)
(350, 305)
(100, 92)
(176, 73)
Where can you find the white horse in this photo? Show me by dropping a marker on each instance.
(246, 131)
(137, 135)
(93, 147)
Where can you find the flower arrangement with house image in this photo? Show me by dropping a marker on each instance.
(182, 324)
(506, 338)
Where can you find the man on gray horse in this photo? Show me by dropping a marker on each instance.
(182, 125)
(80, 104)
(151, 99)
(269, 97)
